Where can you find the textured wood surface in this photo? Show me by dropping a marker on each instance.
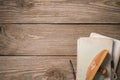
(36, 67)
(42, 51)
(59, 11)
(48, 39)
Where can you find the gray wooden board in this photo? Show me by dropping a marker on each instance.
(48, 39)
(59, 11)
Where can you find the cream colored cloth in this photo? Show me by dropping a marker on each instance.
(87, 49)
(116, 47)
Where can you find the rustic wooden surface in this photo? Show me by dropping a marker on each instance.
(38, 37)
(36, 67)
(59, 11)
(48, 39)
(54, 43)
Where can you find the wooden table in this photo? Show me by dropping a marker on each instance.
(39, 37)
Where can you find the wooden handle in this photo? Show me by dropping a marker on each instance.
(95, 65)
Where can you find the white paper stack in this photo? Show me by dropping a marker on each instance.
(89, 47)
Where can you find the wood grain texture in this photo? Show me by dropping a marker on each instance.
(48, 39)
(36, 67)
(23, 45)
(59, 11)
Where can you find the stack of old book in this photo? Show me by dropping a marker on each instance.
(97, 57)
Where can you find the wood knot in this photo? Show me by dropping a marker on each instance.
(118, 4)
(106, 3)
(54, 74)
(2, 30)
(25, 3)
(4, 40)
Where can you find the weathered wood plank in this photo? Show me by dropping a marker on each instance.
(36, 68)
(48, 39)
(59, 11)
